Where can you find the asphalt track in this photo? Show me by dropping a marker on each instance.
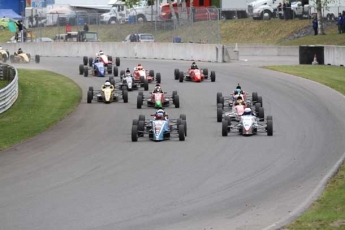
(85, 173)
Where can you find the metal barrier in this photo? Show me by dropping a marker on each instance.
(8, 94)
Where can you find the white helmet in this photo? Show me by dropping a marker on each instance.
(101, 52)
(247, 111)
(107, 83)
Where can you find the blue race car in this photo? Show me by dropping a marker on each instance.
(97, 69)
(159, 128)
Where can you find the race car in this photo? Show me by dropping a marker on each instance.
(231, 99)
(248, 125)
(106, 59)
(235, 112)
(23, 58)
(97, 69)
(159, 128)
(127, 81)
(158, 99)
(195, 75)
(137, 81)
(140, 74)
(107, 94)
(4, 55)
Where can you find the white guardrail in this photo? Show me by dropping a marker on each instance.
(8, 94)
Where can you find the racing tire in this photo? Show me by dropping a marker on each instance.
(146, 85)
(219, 95)
(12, 58)
(181, 133)
(228, 119)
(158, 78)
(109, 69)
(117, 61)
(225, 128)
(37, 58)
(260, 100)
(89, 96)
(269, 127)
(110, 58)
(142, 80)
(124, 87)
(135, 122)
(142, 117)
(174, 93)
(152, 73)
(177, 101)
(112, 81)
(221, 101)
(91, 88)
(141, 128)
(219, 115)
(86, 71)
(178, 122)
(122, 73)
(184, 124)
(269, 118)
(141, 93)
(90, 61)
(219, 105)
(261, 113)
(176, 74)
(257, 107)
(181, 77)
(125, 96)
(115, 71)
(134, 133)
(139, 101)
(81, 69)
(84, 60)
(254, 97)
(205, 72)
(183, 117)
(213, 76)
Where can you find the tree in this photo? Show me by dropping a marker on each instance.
(130, 3)
(321, 4)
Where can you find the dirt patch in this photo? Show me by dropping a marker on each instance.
(338, 223)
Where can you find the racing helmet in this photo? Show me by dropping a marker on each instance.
(107, 84)
(140, 67)
(239, 98)
(247, 111)
(127, 70)
(101, 52)
(20, 50)
(160, 114)
(238, 86)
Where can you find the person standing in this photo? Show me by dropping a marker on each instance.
(340, 23)
(68, 28)
(315, 25)
(86, 27)
(343, 25)
(21, 30)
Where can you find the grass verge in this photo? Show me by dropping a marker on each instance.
(328, 212)
(3, 83)
(44, 99)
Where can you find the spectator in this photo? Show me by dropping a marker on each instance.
(68, 28)
(315, 25)
(36, 19)
(343, 26)
(132, 38)
(21, 30)
(86, 27)
(31, 20)
(16, 36)
(340, 23)
(284, 10)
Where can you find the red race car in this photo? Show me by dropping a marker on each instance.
(194, 74)
(144, 76)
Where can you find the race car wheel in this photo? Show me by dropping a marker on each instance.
(260, 100)
(109, 68)
(91, 89)
(141, 93)
(122, 73)
(213, 76)
(177, 101)
(11, 58)
(125, 96)
(269, 127)
(146, 85)
(219, 105)
(219, 95)
(135, 122)
(176, 74)
(181, 133)
(174, 93)
(139, 101)
(219, 115)
(254, 97)
(89, 96)
(37, 58)
(152, 73)
(85, 60)
(221, 101)
(261, 113)
(184, 124)
(117, 61)
(225, 128)
(90, 61)
(158, 78)
(269, 118)
(112, 81)
(110, 58)
(205, 72)
(81, 69)
(228, 119)
(181, 77)
(115, 71)
(257, 107)
(124, 87)
(134, 133)
(183, 117)
(86, 71)
(141, 128)
(142, 117)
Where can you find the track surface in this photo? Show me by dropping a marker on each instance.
(85, 173)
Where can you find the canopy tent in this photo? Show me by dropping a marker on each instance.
(8, 13)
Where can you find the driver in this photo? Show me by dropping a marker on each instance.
(158, 89)
(247, 112)
(100, 53)
(128, 71)
(239, 101)
(194, 66)
(20, 51)
(161, 115)
(140, 67)
(106, 85)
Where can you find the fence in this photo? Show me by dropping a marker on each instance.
(8, 94)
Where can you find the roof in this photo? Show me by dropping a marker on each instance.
(9, 13)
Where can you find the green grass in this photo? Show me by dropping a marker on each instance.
(3, 83)
(328, 212)
(49, 97)
(232, 31)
